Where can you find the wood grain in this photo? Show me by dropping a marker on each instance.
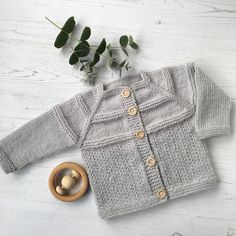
(35, 76)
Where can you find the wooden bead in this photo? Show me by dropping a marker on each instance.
(75, 174)
(68, 182)
(60, 190)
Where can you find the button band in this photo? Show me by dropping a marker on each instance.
(137, 126)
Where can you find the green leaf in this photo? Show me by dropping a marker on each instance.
(125, 52)
(110, 61)
(102, 46)
(124, 41)
(96, 59)
(82, 67)
(131, 40)
(63, 36)
(127, 66)
(134, 45)
(122, 63)
(109, 47)
(69, 25)
(109, 50)
(61, 40)
(82, 49)
(73, 59)
(85, 34)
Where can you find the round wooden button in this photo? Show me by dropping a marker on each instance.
(151, 161)
(54, 175)
(132, 111)
(125, 92)
(161, 193)
(140, 134)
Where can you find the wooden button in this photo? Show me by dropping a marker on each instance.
(151, 161)
(140, 134)
(161, 193)
(132, 111)
(126, 92)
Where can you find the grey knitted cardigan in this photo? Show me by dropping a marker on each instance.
(142, 137)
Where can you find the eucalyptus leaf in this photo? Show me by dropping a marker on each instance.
(73, 59)
(85, 34)
(130, 40)
(82, 67)
(102, 46)
(69, 25)
(61, 40)
(110, 61)
(122, 63)
(109, 47)
(124, 41)
(96, 59)
(109, 50)
(134, 45)
(82, 49)
(127, 66)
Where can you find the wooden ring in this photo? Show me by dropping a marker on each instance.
(73, 166)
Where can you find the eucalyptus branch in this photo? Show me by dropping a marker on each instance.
(83, 48)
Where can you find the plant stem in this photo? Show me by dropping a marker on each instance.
(53, 23)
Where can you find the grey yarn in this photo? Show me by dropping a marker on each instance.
(179, 107)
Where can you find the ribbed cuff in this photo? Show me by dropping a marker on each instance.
(213, 131)
(6, 163)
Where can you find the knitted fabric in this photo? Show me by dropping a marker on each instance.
(178, 108)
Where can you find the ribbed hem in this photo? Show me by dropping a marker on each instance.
(106, 214)
(177, 193)
(6, 163)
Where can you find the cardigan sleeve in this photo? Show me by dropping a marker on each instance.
(213, 105)
(56, 129)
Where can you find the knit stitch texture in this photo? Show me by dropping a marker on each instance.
(178, 108)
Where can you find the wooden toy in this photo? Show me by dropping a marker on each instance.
(62, 190)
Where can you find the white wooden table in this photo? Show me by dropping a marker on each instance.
(34, 76)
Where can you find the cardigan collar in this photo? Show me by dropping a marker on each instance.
(160, 78)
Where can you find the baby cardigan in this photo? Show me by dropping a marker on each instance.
(142, 137)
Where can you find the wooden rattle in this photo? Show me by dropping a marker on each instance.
(68, 181)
